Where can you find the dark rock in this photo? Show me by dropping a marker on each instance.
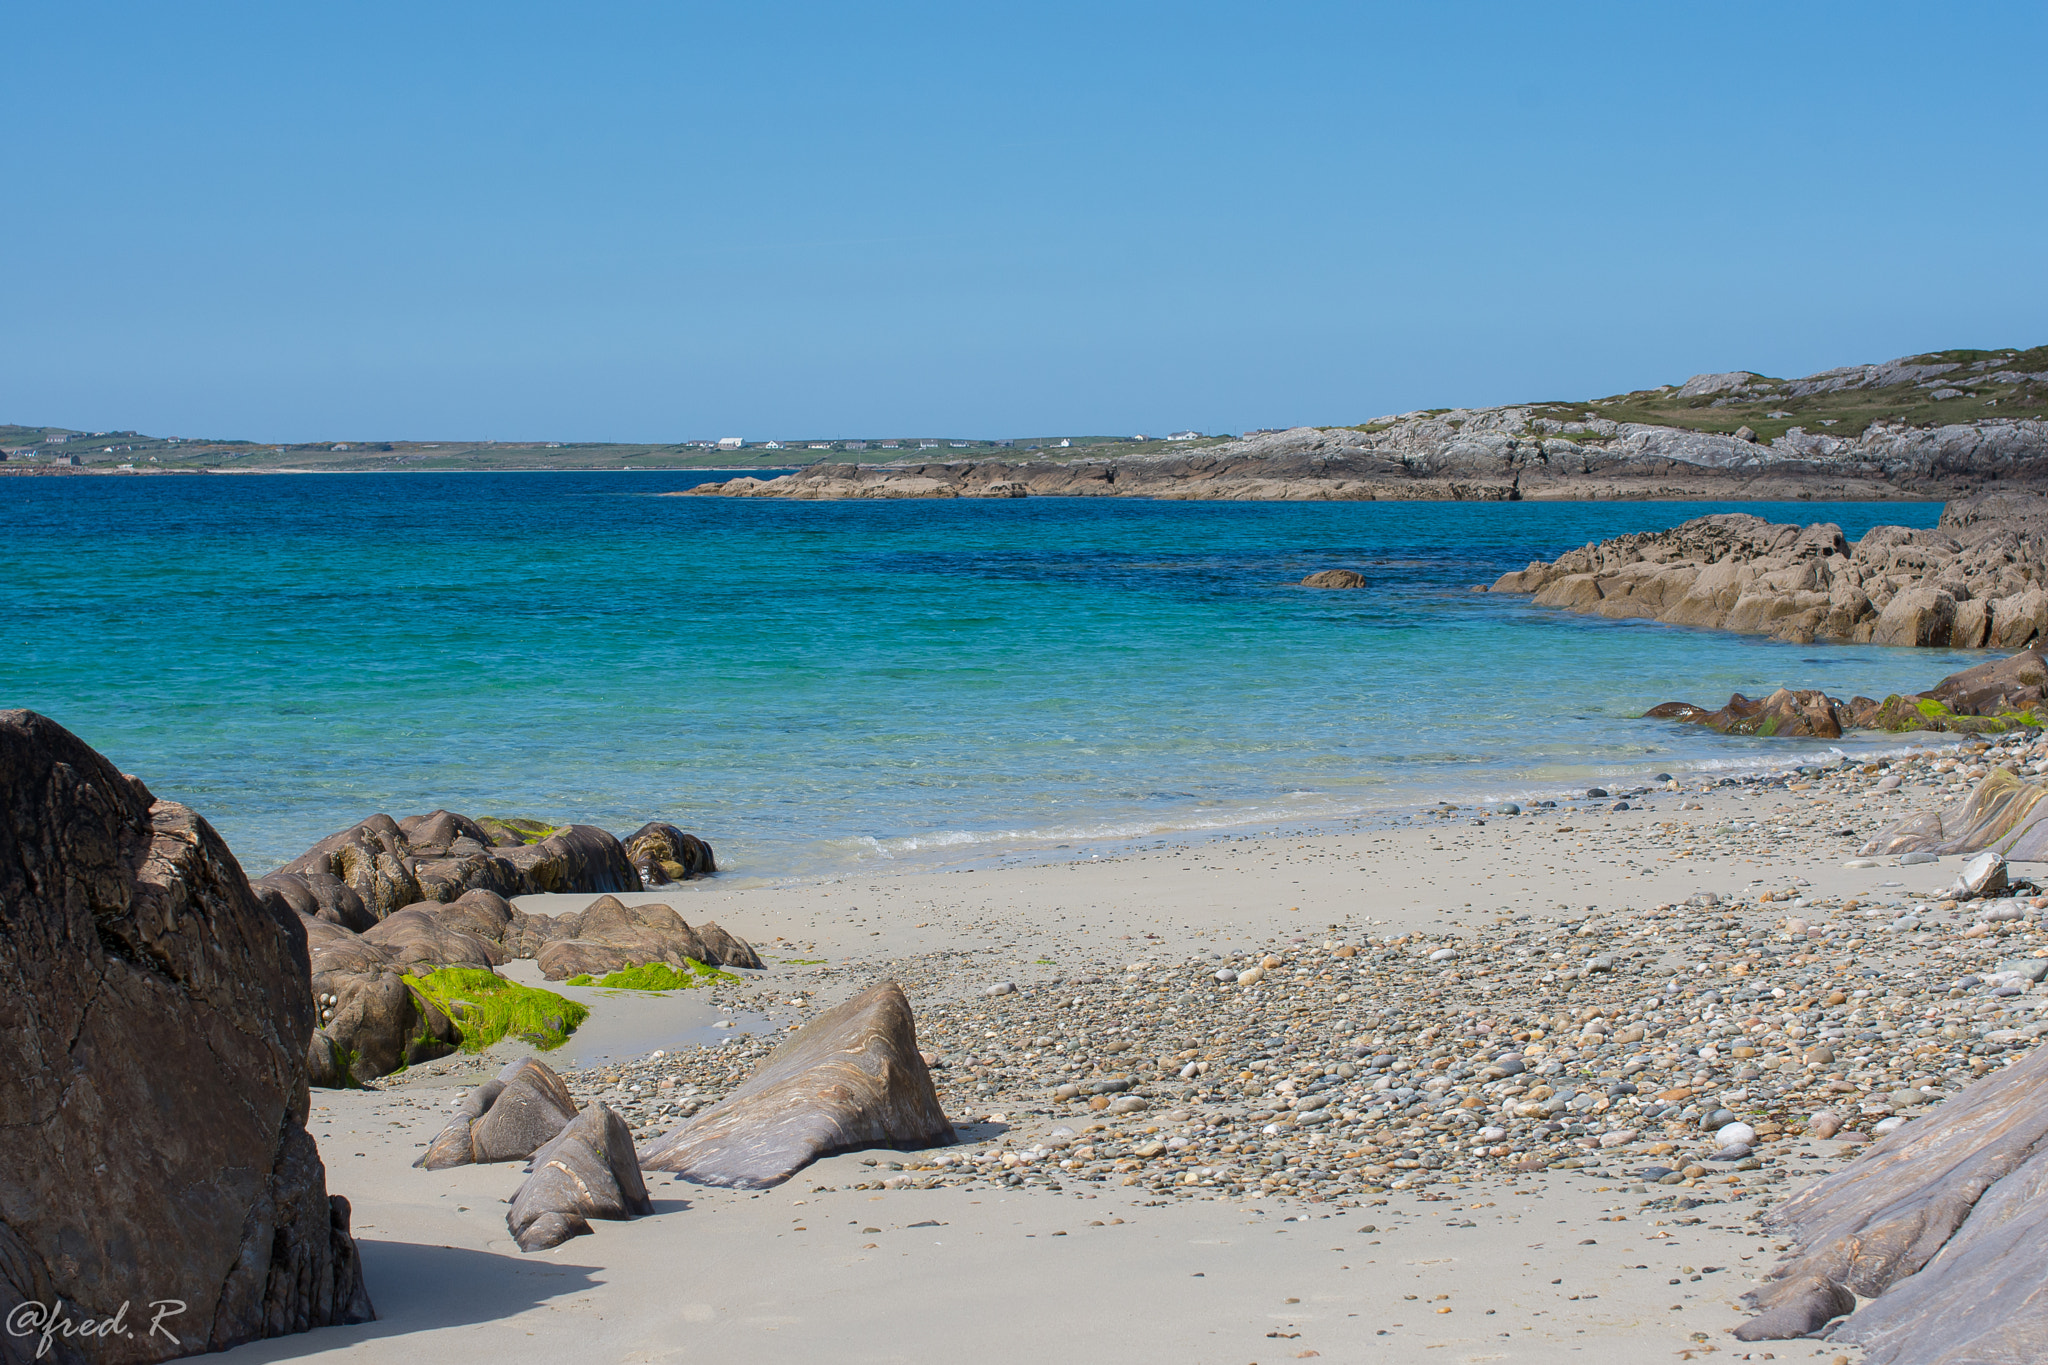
(662, 854)
(1939, 1224)
(415, 935)
(1334, 578)
(578, 858)
(507, 1118)
(373, 1022)
(1784, 714)
(316, 895)
(587, 1171)
(152, 1072)
(852, 1077)
(442, 856)
(727, 951)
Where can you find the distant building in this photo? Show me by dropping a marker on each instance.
(771, 445)
(890, 445)
(57, 440)
(856, 445)
(730, 443)
(1185, 436)
(1141, 436)
(821, 445)
(1064, 442)
(927, 445)
(957, 445)
(339, 445)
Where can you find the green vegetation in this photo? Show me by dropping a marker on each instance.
(487, 1007)
(803, 962)
(657, 976)
(525, 831)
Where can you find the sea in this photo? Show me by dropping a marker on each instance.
(823, 688)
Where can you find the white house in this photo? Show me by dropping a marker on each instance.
(730, 443)
(1185, 436)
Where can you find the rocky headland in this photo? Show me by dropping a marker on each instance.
(1923, 427)
(1978, 580)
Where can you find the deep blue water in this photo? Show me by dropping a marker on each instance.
(820, 685)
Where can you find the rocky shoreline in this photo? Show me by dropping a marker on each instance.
(1978, 580)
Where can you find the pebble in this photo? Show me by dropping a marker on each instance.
(1642, 1038)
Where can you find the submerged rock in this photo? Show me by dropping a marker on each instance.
(1334, 578)
(852, 1077)
(152, 1069)
(586, 1172)
(507, 1118)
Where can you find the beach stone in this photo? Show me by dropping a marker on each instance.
(1334, 578)
(376, 1024)
(587, 1171)
(507, 1118)
(1983, 875)
(661, 853)
(152, 1069)
(852, 1077)
(726, 950)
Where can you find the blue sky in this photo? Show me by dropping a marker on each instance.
(669, 221)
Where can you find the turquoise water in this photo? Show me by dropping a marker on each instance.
(817, 686)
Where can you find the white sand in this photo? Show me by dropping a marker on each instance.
(788, 1274)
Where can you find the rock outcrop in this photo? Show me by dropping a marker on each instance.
(1980, 580)
(1990, 698)
(1946, 425)
(852, 1077)
(389, 864)
(1334, 578)
(152, 1071)
(507, 1118)
(586, 1172)
(1938, 1226)
(371, 1021)
(2002, 813)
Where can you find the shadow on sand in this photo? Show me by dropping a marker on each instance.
(418, 1288)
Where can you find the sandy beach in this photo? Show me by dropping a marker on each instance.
(1506, 1259)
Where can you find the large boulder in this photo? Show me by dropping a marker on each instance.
(852, 1077)
(1938, 1229)
(153, 1017)
(507, 1118)
(2000, 687)
(587, 1171)
(662, 854)
(1334, 578)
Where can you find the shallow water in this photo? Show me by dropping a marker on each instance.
(822, 686)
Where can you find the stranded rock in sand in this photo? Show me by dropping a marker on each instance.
(1939, 1225)
(852, 1077)
(152, 1073)
(587, 1172)
(507, 1118)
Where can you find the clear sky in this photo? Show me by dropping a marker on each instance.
(670, 221)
